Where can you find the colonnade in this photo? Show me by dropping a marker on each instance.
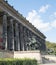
(16, 36)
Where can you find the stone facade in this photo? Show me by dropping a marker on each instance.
(17, 32)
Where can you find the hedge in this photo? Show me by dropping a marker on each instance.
(10, 61)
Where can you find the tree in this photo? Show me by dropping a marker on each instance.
(51, 47)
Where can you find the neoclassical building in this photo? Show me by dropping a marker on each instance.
(15, 30)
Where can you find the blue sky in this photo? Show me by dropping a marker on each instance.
(41, 13)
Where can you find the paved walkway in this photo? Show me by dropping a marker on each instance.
(49, 64)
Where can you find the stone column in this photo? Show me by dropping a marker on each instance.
(43, 45)
(11, 35)
(30, 36)
(25, 39)
(28, 39)
(21, 38)
(38, 43)
(4, 32)
(17, 42)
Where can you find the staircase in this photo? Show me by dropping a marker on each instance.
(47, 61)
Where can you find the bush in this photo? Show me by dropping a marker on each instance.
(11, 61)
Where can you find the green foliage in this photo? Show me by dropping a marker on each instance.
(51, 47)
(50, 44)
(11, 61)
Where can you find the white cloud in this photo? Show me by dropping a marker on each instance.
(36, 20)
(53, 24)
(44, 8)
(52, 16)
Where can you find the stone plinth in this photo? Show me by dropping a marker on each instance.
(21, 54)
(6, 54)
(29, 54)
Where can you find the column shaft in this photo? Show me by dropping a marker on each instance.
(25, 39)
(21, 38)
(4, 32)
(11, 35)
(17, 42)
